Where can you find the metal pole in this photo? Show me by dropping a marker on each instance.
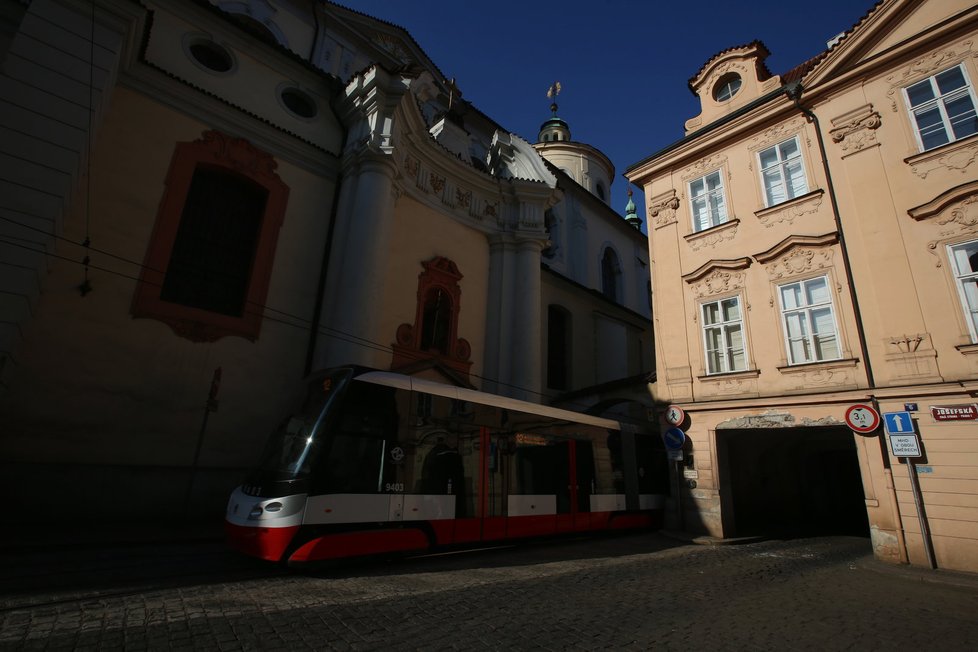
(919, 502)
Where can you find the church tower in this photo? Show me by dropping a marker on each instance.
(583, 163)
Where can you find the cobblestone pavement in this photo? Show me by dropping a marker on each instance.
(634, 592)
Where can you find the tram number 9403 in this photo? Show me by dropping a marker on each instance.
(394, 487)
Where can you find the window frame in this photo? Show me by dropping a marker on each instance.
(722, 326)
(939, 101)
(790, 194)
(970, 314)
(215, 150)
(808, 309)
(721, 190)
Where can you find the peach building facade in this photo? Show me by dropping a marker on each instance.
(813, 246)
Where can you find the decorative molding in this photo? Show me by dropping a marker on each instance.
(953, 157)
(702, 166)
(926, 66)
(662, 209)
(713, 236)
(912, 357)
(856, 130)
(831, 373)
(719, 282)
(440, 276)
(791, 210)
(740, 383)
(799, 261)
(794, 241)
(776, 134)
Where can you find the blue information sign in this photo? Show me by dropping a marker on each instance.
(898, 423)
(674, 438)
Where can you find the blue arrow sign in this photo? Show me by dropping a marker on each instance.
(898, 423)
(674, 438)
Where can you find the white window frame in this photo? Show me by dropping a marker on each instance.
(781, 167)
(715, 198)
(961, 278)
(940, 101)
(726, 353)
(809, 338)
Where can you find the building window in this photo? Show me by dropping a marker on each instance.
(558, 347)
(610, 274)
(782, 172)
(433, 337)
(727, 87)
(943, 108)
(706, 195)
(208, 264)
(964, 258)
(809, 321)
(723, 336)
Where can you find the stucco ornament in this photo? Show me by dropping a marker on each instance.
(856, 130)
(712, 237)
(789, 211)
(662, 209)
(798, 261)
(719, 282)
(776, 134)
(702, 166)
(957, 159)
(924, 67)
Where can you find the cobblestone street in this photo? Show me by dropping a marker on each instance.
(634, 592)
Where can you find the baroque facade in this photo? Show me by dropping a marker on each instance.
(201, 202)
(817, 229)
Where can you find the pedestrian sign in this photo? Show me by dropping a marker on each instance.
(898, 423)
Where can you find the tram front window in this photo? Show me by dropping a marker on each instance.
(293, 449)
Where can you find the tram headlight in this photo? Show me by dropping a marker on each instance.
(273, 507)
(256, 512)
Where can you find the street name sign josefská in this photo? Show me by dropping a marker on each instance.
(954, 412)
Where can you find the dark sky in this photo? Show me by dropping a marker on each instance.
(623, 64)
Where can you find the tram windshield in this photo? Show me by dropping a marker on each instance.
(294, 447)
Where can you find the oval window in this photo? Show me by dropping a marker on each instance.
(299, 102)
(727, 87)
(212, 56)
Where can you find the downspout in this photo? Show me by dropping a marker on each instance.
(794, 92)
(327, 250)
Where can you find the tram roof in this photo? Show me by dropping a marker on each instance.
(411, 383)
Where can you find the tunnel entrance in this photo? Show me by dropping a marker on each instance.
(788, 482)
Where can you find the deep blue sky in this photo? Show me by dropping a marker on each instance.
(623, 64)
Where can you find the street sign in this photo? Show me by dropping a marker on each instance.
(954, 412)
(675, 455)
(898, 423)
(674, 438)
(905, 445)
(862, 418)
(674, 415)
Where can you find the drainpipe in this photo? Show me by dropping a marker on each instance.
(328, 247)
(794, 93)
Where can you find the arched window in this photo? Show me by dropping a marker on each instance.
(558, 347)
(610, 274)
(436, 321)
(433, 337)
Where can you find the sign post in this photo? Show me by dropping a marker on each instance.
(674, 439)
(905, 443)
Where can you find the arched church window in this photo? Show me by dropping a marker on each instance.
(558, 347)
(433, 337)
(610, 274)
(436, 321)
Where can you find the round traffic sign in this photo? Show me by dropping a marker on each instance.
(862, 418)
(674, 438)
(674, 415)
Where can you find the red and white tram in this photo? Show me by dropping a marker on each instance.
(377, 462)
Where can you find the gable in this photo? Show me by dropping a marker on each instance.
(886, 30)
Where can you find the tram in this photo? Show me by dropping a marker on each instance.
(377, 463)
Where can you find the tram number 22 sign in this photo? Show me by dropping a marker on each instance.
(862, 418)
